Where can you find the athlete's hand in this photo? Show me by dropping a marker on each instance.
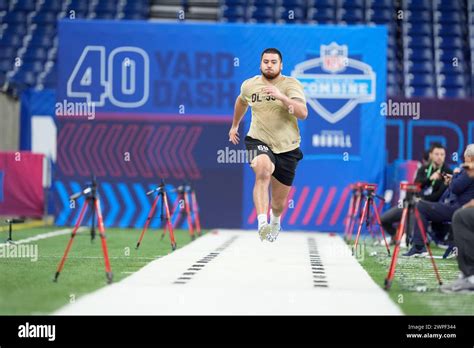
(234, 135)
(273, 92)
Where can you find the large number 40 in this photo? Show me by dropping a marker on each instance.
(127, 83)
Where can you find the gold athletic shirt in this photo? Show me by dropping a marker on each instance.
(272, 122)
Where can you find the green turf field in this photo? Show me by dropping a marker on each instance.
(415, 287)
(26, 286)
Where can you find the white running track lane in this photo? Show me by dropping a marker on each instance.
(231, 272)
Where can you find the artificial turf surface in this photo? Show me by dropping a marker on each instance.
(26, 286)
(415, 287)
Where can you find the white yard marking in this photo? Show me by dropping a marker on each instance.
(232, 272)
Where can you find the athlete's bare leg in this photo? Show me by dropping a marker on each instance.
(279, 196)
(263, 168)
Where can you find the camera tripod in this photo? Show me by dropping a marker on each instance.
(10, 222)
(409, 208)
(92, 200)
(353, 210)
(190, 209)
(165, 214)
(370, 203)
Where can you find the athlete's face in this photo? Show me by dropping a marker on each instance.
(271, 65)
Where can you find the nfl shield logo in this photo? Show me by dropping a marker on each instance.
(334, 57)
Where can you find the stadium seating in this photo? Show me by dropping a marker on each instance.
(430, 44)
(28, 35)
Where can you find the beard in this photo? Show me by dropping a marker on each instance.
(270, 75)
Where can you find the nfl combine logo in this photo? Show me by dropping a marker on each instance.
(334, 58)
(335, 76)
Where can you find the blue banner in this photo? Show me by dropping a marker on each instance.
(163, 95)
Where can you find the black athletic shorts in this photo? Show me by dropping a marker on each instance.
(285, 162)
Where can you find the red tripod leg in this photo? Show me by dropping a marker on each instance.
(196, 212)
(398, 238)
(425, 240)
(150, 214)
(188, 215)
(168, 221)
(108, 271)
(175, 206)
(377, 216)
(357, 208)
(69, 244)
(364, 212)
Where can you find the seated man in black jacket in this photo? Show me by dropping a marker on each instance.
(463, 230)
(429, 176)
(459, 192)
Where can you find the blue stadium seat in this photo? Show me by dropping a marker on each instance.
(262, 13)
(35, 53)
(414, 28)
(452, 93)
(290, 15)
(351, 15)
(320, 3)
(380, 4)
(447, 55)
(15, 17)
(420, 92)
(264, 3)
(418, 54)
(294, 3)
(235, 2)
(6, 65)
(449, 42)
(7, 52)
(351, 4)
(12, 40)
(448, 68)
(106, 7)
(448, 30)
(456, 80)
(418, 80)
(35, 67)
(419, 5)
(25, 78)
(417, 41)
(78, 5)
(52, 5)
(234, 12)
(380, 15)
(425, 67)
(448, 17)
(105, 15)
(46, 29)
(41, 41)
(417, 16)
(25, 5)
(45, 17)
(4, 5)
(323, 14)
(449, 5)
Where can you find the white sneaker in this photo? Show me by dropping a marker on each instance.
(275, 230)
(264, 231)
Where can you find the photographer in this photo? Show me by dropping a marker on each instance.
(429, 176)
(459, 192)
(463, 230)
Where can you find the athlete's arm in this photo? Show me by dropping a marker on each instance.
(240, 108)
(295, 106)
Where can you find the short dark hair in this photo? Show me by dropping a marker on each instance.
(437, 146)
(272, 50)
